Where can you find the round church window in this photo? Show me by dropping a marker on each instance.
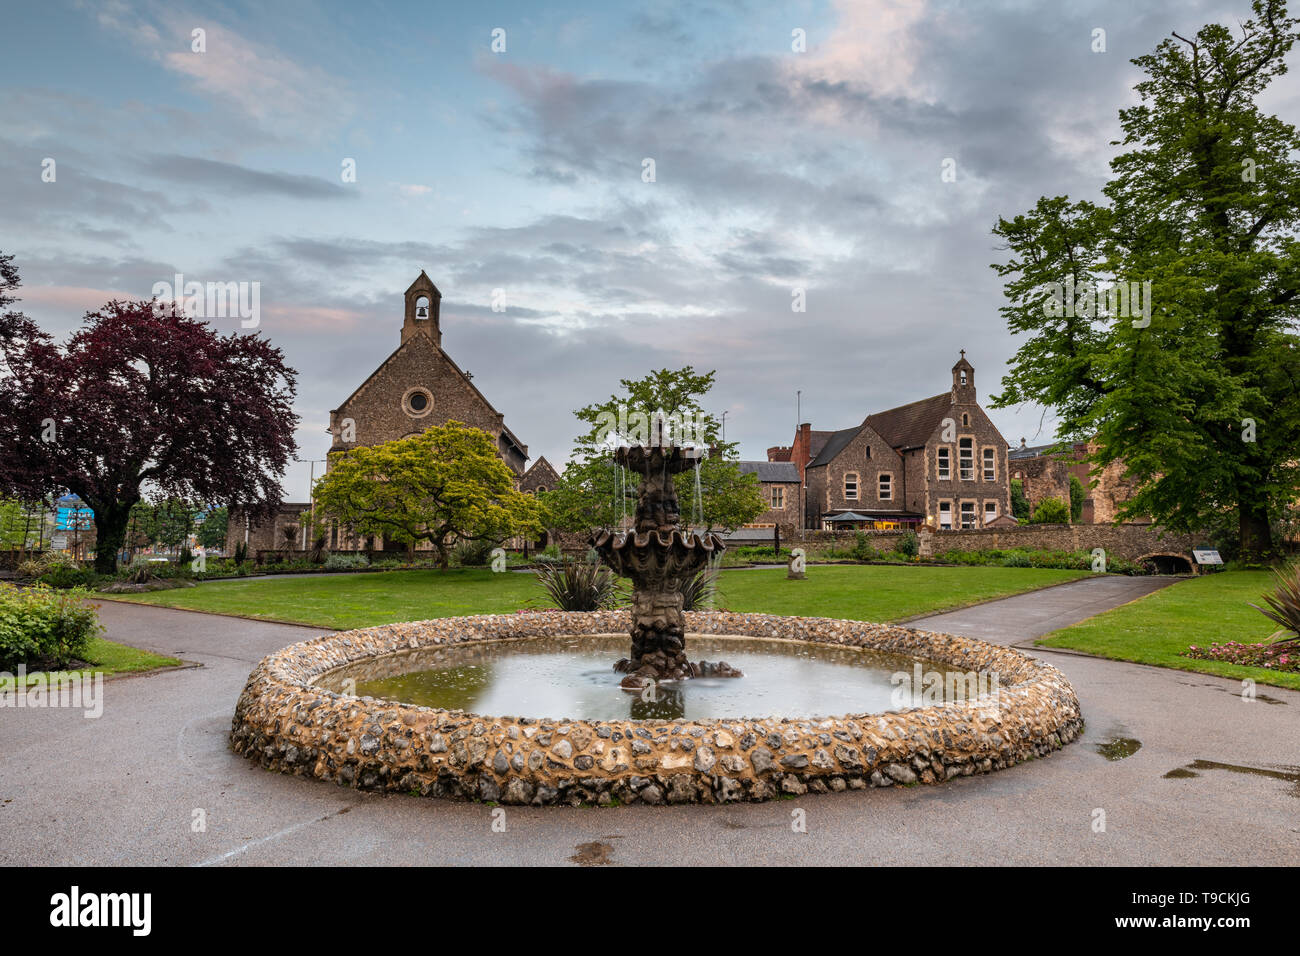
(417, 402)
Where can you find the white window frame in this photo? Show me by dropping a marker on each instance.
(989, 464)
(945, 507)
(966, 464)
(990, 511)
(943, 463)
(852, 478)
(974, 515)
(885, 486)
(778, 498)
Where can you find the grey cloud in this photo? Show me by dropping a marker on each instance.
(240, 180)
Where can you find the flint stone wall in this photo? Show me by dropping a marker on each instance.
(285, 723)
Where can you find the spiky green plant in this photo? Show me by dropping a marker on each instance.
(1284, 604)
(701, 588)
(574, 585)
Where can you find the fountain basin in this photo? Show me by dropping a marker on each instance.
(287, 719)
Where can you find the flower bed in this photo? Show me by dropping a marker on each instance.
(1276, 657)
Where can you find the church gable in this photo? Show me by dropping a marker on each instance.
(416, 388)
(539, 477)
(419, 386)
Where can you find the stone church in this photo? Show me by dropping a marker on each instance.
(418, 386)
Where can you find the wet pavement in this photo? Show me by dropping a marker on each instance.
(1215, 780)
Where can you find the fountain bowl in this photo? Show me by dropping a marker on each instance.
(286, 721)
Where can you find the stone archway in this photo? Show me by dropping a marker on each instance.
(1170, 562)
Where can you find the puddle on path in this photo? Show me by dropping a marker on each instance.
(1196, 767)
(1117, 748)
(593, 854)
(1263, 698)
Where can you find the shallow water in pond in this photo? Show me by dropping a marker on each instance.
(574, 677)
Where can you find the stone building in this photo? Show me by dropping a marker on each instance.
(414, 388)
(937, 461)
(779, 486)
(1044, 471)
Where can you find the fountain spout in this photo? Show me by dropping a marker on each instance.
(659, 558)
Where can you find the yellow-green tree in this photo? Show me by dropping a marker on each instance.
(443, 486)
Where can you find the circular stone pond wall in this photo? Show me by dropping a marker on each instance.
(286, 722)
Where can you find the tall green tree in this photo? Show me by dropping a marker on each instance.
(211, 531)
(1077, 498)
(1194, 383)
(443, 486)
(594, 492)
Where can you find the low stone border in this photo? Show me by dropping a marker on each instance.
(285, 723)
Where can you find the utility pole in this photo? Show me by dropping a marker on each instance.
(311, 496)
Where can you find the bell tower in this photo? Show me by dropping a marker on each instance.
(422, 304)
(963, 382)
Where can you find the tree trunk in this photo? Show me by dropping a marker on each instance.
(110, 533)
(1256, 532)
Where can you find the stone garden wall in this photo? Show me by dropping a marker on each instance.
(286, 722)
(1128, 541)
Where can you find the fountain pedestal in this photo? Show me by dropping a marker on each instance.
(659, 558)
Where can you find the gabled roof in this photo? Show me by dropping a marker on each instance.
(770, 470)
(543, 464)
(834, 445)
(816, 442)
(506, 433)
(910, 425)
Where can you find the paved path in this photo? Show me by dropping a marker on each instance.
(1022, 617)
(125, 788)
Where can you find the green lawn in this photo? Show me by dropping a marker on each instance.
(110, 658)
(877, 592)
(870, 592)
(1157, 628)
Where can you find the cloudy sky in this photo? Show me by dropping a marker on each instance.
(522, 170)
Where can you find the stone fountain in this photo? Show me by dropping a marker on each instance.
(298, 715)
(659, 558)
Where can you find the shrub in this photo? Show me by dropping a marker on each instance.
(909, 545)
(472, 554)
(863, 549)
(1051, 511)
(45, 627)
(46, 561)
(65, 576)
(580, 585)
(241, 553)
(1016, 559)
(346, 562)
